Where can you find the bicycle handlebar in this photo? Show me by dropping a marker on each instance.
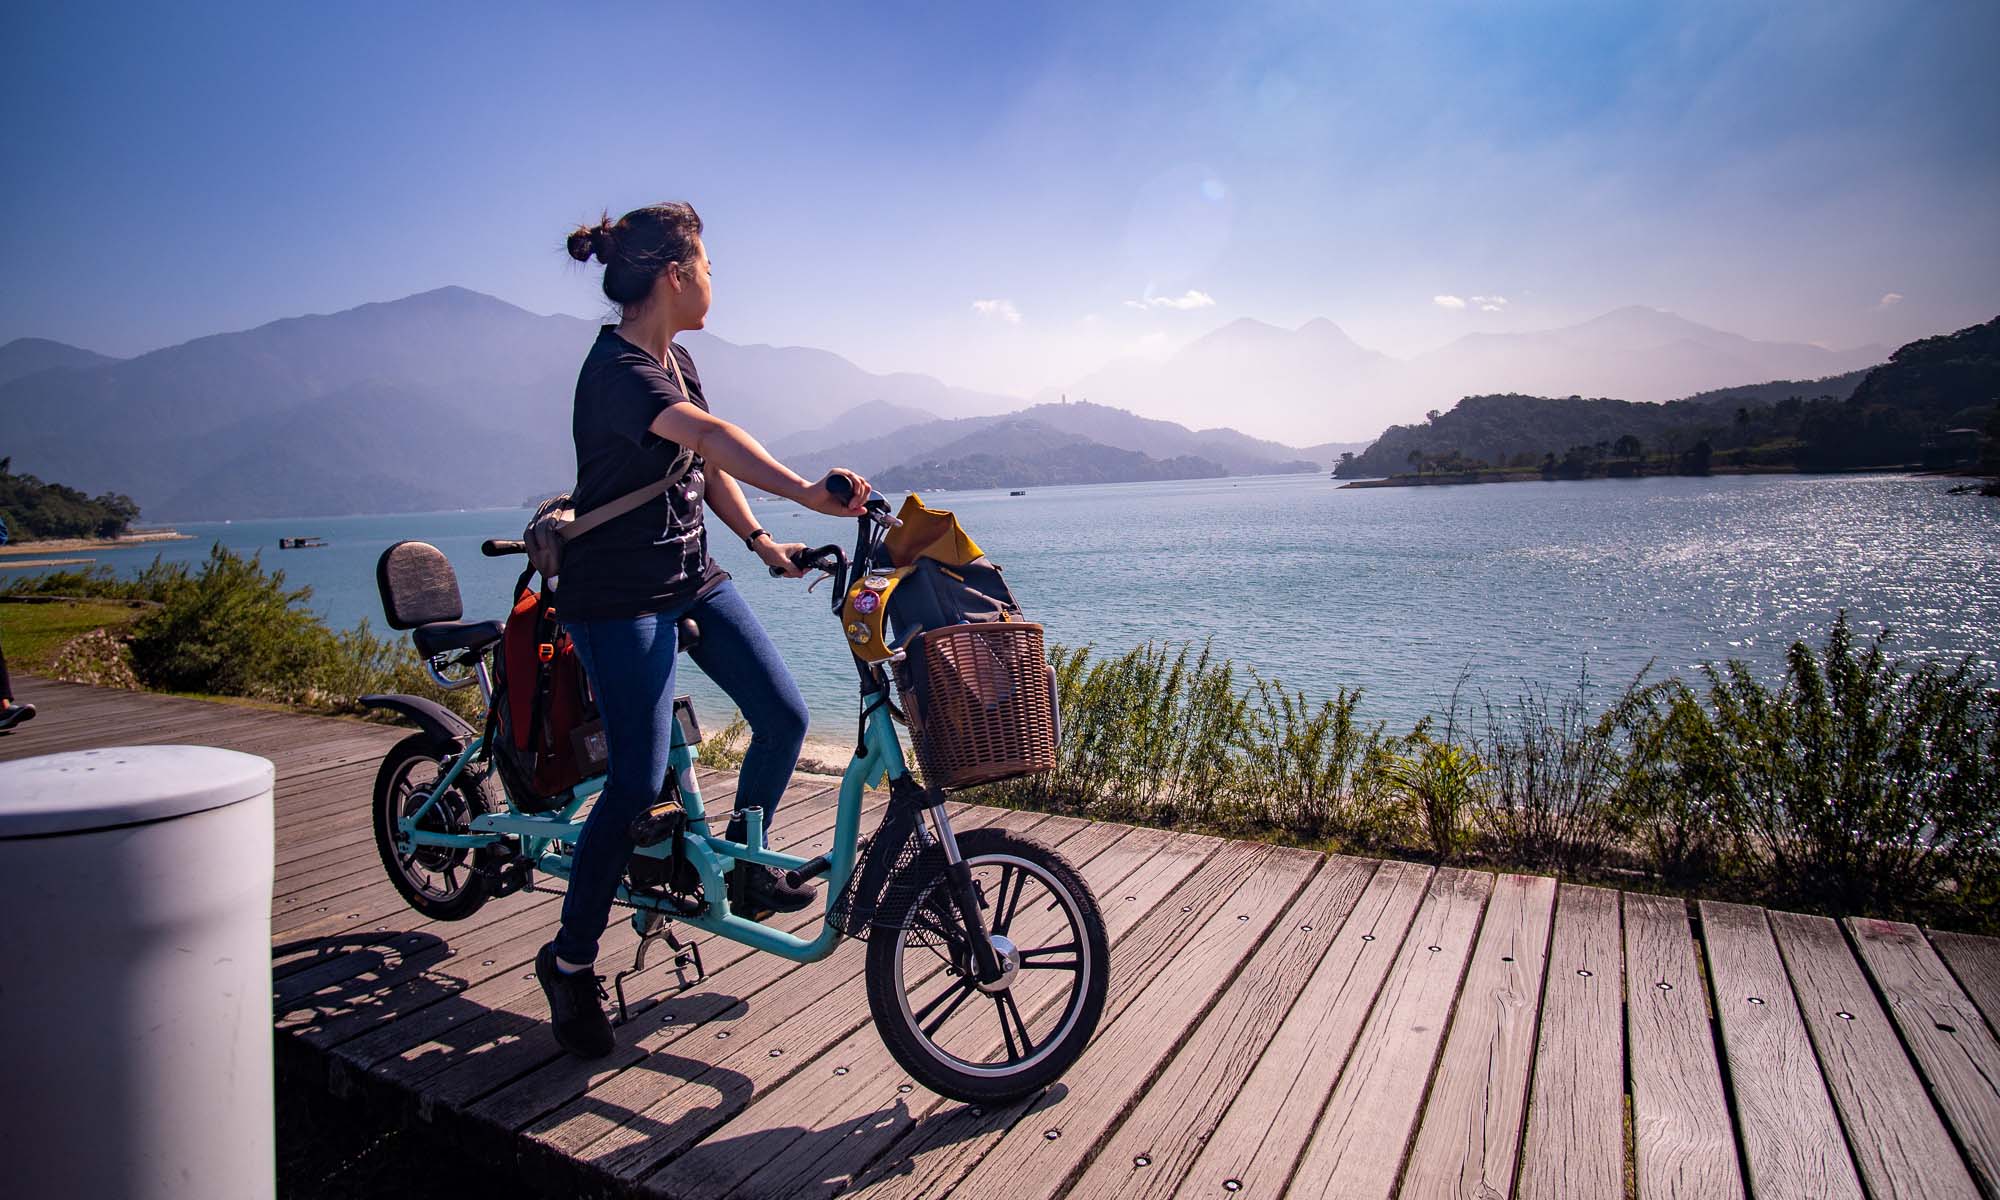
(824, 558)
(842, 489)
(502, 547)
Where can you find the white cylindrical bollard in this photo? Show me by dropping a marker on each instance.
(135, 974)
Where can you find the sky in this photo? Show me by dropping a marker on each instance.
(1009, 196)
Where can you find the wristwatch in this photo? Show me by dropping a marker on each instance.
(750, 539)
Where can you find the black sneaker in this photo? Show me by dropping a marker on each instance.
(756, 891)
(14, 714)
(574, 1009)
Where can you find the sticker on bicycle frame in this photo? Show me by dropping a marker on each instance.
(866, 602)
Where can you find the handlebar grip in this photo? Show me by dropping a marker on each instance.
(824, 558)
(842, 488)
(502, 547)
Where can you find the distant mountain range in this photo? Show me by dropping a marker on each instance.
(453, 399)
(30, 355)
(1317, 382)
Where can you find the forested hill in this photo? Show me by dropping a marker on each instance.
(1898, 414)
(1021, 452)
(32, 509)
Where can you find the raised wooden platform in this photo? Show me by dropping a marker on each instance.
(1279, 1023)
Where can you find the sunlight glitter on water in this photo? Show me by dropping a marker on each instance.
(1401, 591)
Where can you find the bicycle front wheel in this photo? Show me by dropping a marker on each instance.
(988, 1043)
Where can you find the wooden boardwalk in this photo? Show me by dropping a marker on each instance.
(1279, 1022)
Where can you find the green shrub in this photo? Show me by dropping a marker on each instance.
(1856, 781)
(1145, 737)
(1317, 772)
(1554, 770)
(1441, 781)
(1685, 826)
(233, 629)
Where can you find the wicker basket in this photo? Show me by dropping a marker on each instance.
(982, 703)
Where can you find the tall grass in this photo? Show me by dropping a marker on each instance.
(1852, 782)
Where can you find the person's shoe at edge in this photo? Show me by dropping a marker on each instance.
(13, 714)
(575, 1011)
(764, 891)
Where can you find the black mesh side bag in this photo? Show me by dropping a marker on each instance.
(898, 880)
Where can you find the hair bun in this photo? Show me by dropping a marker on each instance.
(596, 240)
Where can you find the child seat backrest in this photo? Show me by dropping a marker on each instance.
(418, 586)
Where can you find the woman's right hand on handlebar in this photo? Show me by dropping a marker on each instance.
(821, 499)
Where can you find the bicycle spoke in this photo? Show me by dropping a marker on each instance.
(957, 994)
(1004, 909)
(1004, 1002)
(1031, 960)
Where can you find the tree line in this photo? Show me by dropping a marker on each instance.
(32, 509)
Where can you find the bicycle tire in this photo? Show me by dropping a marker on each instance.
(901, 1027)
(451, 904)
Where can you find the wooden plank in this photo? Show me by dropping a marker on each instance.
(1792, 1141)
(1152, 1148)
(860, 1122)
(1273, 1115)
(1945, 1033)
(1358, 1147)
(1681, 1129)
(1470, 1137)
(1152, 910)
(506, 1010)
(1155, 885)
(1207, 1067)
(414, 984)
(1899, 1141)
(470, 989)
(1975, 961)
(1575, 1147)
(568, 1106)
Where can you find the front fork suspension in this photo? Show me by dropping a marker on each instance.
(964, 893)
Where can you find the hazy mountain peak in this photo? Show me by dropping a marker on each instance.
(29, 355)
(1244, 331)
(1321, 329)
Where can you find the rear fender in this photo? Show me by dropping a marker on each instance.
(430, 716)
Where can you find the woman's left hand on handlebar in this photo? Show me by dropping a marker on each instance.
(820, 500)
(778, 556)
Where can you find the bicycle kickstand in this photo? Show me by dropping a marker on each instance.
(685, 956)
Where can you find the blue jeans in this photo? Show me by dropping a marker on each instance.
(630, 664)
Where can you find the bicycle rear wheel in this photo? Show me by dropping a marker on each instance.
(991, 1043)
(441, 882)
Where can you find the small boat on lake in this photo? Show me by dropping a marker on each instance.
(301, 543)
(1017, 493)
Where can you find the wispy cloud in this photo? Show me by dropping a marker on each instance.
(1448, 301)
(1490, 303)
(1889, 300)
(1191, 299)
(1002, 310)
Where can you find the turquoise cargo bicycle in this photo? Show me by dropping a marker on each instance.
(987, 961)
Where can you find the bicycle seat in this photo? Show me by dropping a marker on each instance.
(441, 636)
(689, 634)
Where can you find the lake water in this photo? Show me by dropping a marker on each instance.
(1400, 591)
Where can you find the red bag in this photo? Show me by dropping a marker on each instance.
(552, 733)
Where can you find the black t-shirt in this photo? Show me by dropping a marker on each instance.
(655, 556)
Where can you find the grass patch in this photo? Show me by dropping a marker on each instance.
(32, 633)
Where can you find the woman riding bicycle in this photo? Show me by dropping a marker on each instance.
(626, 586)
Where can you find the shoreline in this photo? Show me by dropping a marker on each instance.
(1469, 478)
(71, 545)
